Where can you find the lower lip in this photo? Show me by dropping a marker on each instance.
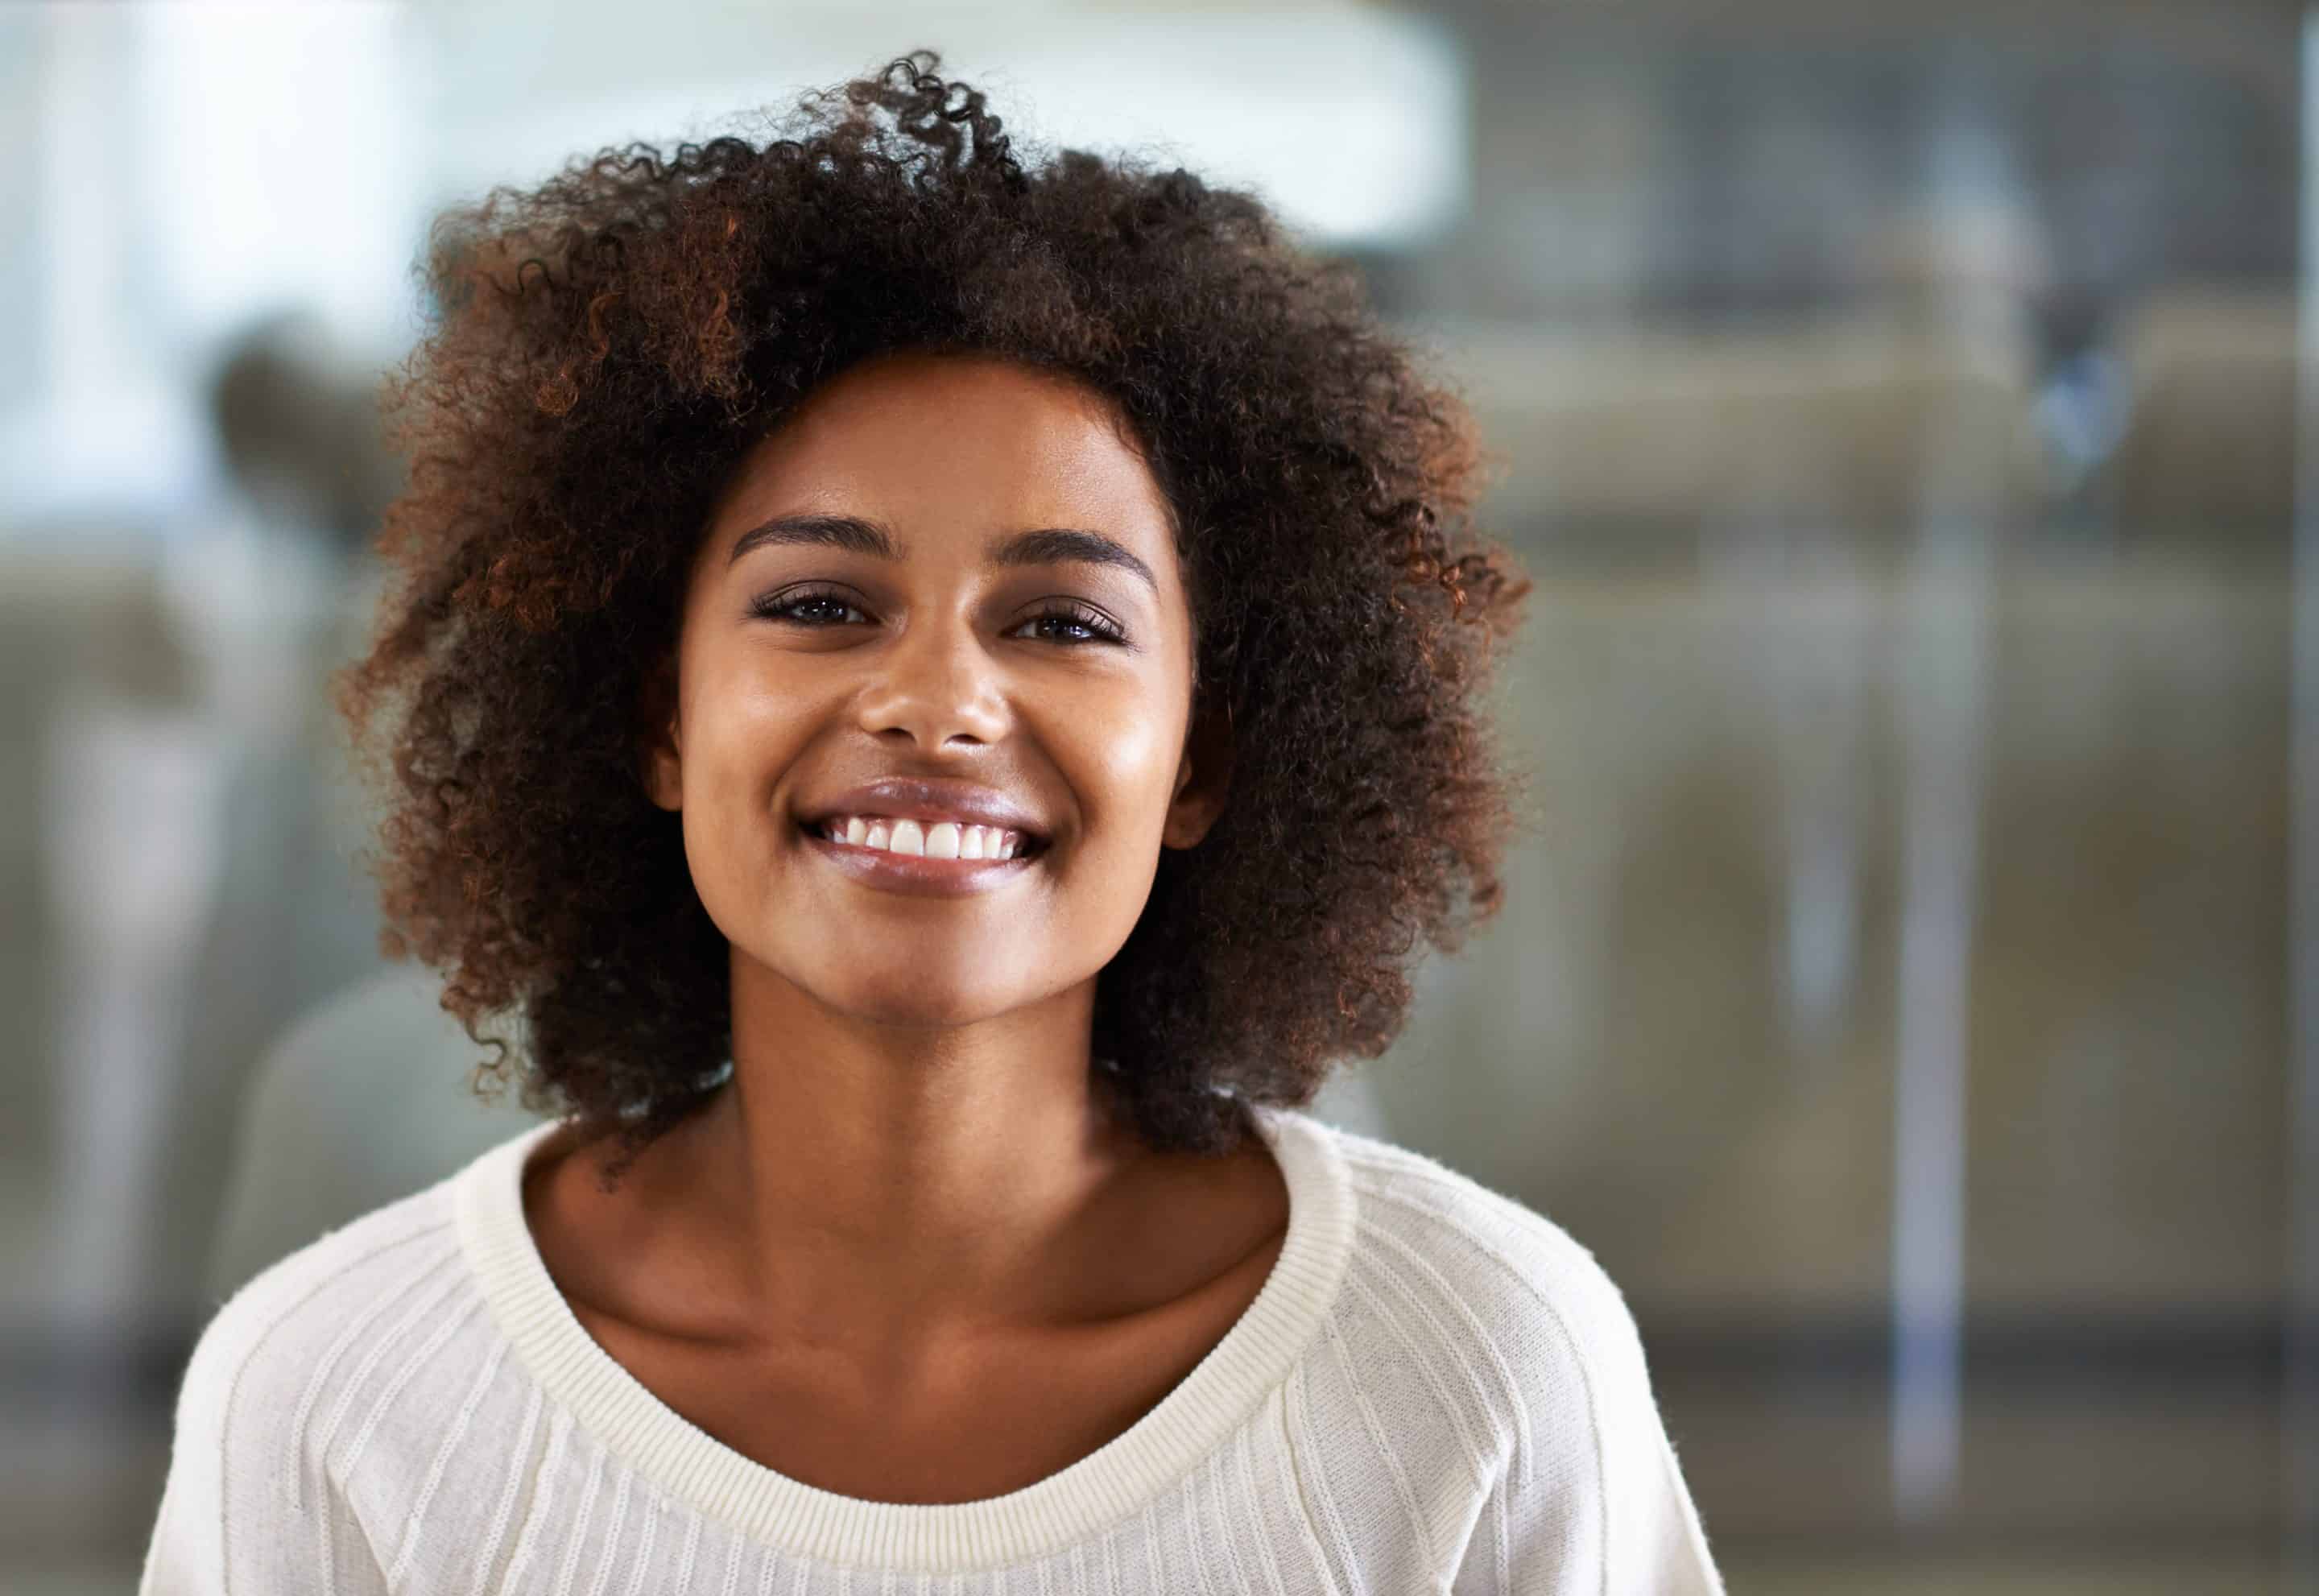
(911, 873)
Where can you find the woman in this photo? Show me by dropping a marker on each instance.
(943, 696)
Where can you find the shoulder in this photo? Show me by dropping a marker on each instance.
(1527, 1282)
(283, 1322)
(1489, 1332)
(270, 1385)
(327, 1281)
(1520, 1343)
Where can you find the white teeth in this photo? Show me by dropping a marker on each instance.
(938, 839)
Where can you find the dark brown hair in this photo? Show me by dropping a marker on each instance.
(605, 349)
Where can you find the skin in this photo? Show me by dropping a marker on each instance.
(909, 1255)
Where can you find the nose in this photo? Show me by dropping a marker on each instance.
(937, 686)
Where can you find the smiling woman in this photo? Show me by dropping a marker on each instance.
(942, 595)
(942, 697)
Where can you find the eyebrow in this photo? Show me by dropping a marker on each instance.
(1045, 545)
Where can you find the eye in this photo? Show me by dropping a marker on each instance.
(1072, 623)
(806, 607)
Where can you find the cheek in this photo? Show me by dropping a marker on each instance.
(741, 728)
(1122, 750)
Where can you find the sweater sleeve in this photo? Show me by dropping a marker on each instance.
(226, 1470)
(1603, 1511)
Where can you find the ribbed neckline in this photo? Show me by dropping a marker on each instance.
(1111, 1483)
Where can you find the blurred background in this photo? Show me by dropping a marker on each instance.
(1910, 984)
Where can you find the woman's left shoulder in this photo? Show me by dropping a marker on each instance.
(1489, 1330)
(1489, 1266)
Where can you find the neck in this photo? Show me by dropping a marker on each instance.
(892, 1186)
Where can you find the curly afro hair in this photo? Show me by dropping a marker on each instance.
(604, 350)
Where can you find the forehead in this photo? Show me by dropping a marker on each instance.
(947, 441)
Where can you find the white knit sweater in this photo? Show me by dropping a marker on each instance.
(1435, 1390)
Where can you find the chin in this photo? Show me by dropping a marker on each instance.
(919, 1012)
(914, 999)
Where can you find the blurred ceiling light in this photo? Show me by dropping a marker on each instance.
(1350, 120)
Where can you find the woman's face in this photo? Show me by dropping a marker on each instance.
(937, 608)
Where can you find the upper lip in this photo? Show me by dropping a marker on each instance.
(930, 798)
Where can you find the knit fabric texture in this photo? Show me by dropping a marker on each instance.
(1435, 1390)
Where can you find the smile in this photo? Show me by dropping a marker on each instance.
(922, 858)
(940, 839)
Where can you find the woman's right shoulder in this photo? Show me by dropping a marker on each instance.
(314, 1397)
(288, 1325)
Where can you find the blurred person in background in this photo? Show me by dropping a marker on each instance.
(932, 698)
(186, 820)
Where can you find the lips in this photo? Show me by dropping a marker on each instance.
(930, 801)
(931, 821)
